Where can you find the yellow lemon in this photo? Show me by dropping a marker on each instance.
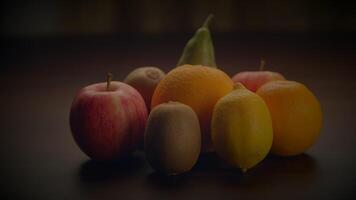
(242, 128)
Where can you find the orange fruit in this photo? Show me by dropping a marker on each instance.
(197, 86)
(296, 116)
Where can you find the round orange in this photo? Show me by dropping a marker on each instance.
(296, 116)
(197, 86)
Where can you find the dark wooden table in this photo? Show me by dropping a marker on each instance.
(40, 76)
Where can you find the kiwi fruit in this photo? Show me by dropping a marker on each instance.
(172, 138)
(145, 80)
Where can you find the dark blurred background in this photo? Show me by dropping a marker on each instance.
(40, 18)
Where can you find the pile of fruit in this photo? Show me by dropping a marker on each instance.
(194, 109)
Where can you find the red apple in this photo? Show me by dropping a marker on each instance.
(108, 120)
(253, 80)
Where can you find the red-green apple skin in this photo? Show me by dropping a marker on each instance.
(108, 125)
(253, 80)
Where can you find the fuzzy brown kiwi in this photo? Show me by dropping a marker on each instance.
(172, 138)
(145, 80)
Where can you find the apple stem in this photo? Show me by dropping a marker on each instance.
(108, 80)
(262, 65)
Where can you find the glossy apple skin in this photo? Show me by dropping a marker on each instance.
(253, 80)
(107, 125)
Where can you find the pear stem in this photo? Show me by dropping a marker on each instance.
(108, 80)
(262, 65)
(208, 21)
